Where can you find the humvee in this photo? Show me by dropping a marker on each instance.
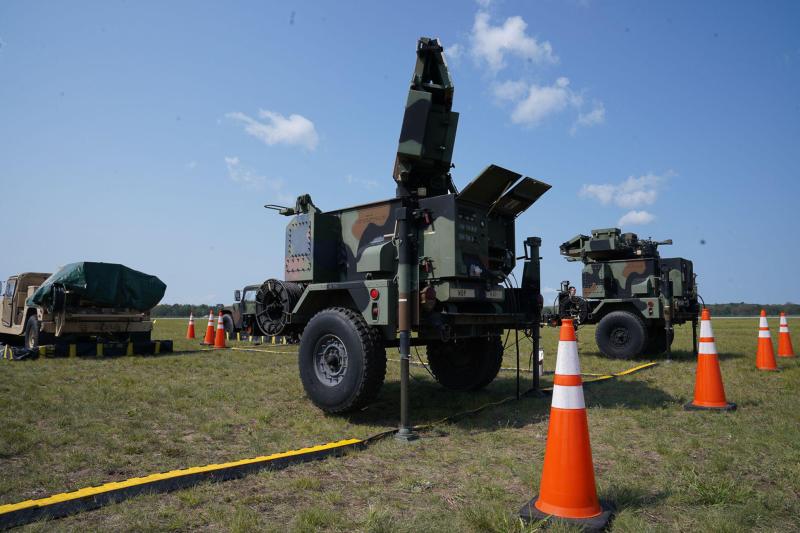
(66, 315)
(241, 316)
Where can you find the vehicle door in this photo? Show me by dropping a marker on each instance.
(8, 301)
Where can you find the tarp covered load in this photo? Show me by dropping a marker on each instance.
(104, 285)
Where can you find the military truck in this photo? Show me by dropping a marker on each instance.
(633, 294)
(80, 300)
(241, 316)
(433, 260)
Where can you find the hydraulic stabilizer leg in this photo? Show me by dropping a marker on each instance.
(404, 432)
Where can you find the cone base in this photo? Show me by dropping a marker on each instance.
(692, 407)
(787, 356)
(529, 513)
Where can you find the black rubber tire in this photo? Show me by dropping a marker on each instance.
(227, 323)
(621, 335)
(32, 334)
(365, 368)
(465, 364)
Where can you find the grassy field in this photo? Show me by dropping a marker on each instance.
(71, 423)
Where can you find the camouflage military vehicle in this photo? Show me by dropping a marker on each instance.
(433, 260)
(100, 300)
(633, 294)
(241, 315)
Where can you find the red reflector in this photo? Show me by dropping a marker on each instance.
(374, 294)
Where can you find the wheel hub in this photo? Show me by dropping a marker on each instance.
(330, 360)
(619, 336)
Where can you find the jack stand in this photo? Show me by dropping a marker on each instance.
(535, 386)
(404, 431)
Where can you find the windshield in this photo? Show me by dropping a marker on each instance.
(249, 296)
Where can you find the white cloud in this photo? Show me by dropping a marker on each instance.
(633, 192)
(454, 52)
(542, 101)
(243, 175)
(294, 130)
(596, 116)
(491, 44)
(509, 90)
(634, 218)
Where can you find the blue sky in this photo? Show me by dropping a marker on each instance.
(152, 133)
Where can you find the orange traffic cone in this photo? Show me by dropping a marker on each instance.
(765, 357)
(784, 339)
(209, 338)
(567, 490)
(190, 329)
(219, 340)
(709, 393)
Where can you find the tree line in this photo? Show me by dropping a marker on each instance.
(729, 309)
(180, 310)
(744, 309)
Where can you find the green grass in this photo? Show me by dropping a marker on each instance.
(70, 423)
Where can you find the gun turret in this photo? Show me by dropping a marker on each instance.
(610, 244)
(428, 134)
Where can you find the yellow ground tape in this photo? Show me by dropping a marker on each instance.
(600, 377)
(262, 351)
(604, 377)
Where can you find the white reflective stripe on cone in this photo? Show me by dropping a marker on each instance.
(705, 329)
(707, 348)
(567, 363)
(763, 334)
(762, 322)
(568, 397)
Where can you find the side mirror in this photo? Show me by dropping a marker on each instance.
(237, 295)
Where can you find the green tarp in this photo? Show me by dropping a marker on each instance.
(104, 285)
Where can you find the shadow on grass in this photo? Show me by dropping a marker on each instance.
(628, 497)
(430, 403)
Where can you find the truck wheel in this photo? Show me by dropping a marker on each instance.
(342, 362)
(621, 334)
(33, 337)
(467, 364)
(227, 323)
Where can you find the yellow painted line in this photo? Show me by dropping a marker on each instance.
(93, 491)
(292, 352)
